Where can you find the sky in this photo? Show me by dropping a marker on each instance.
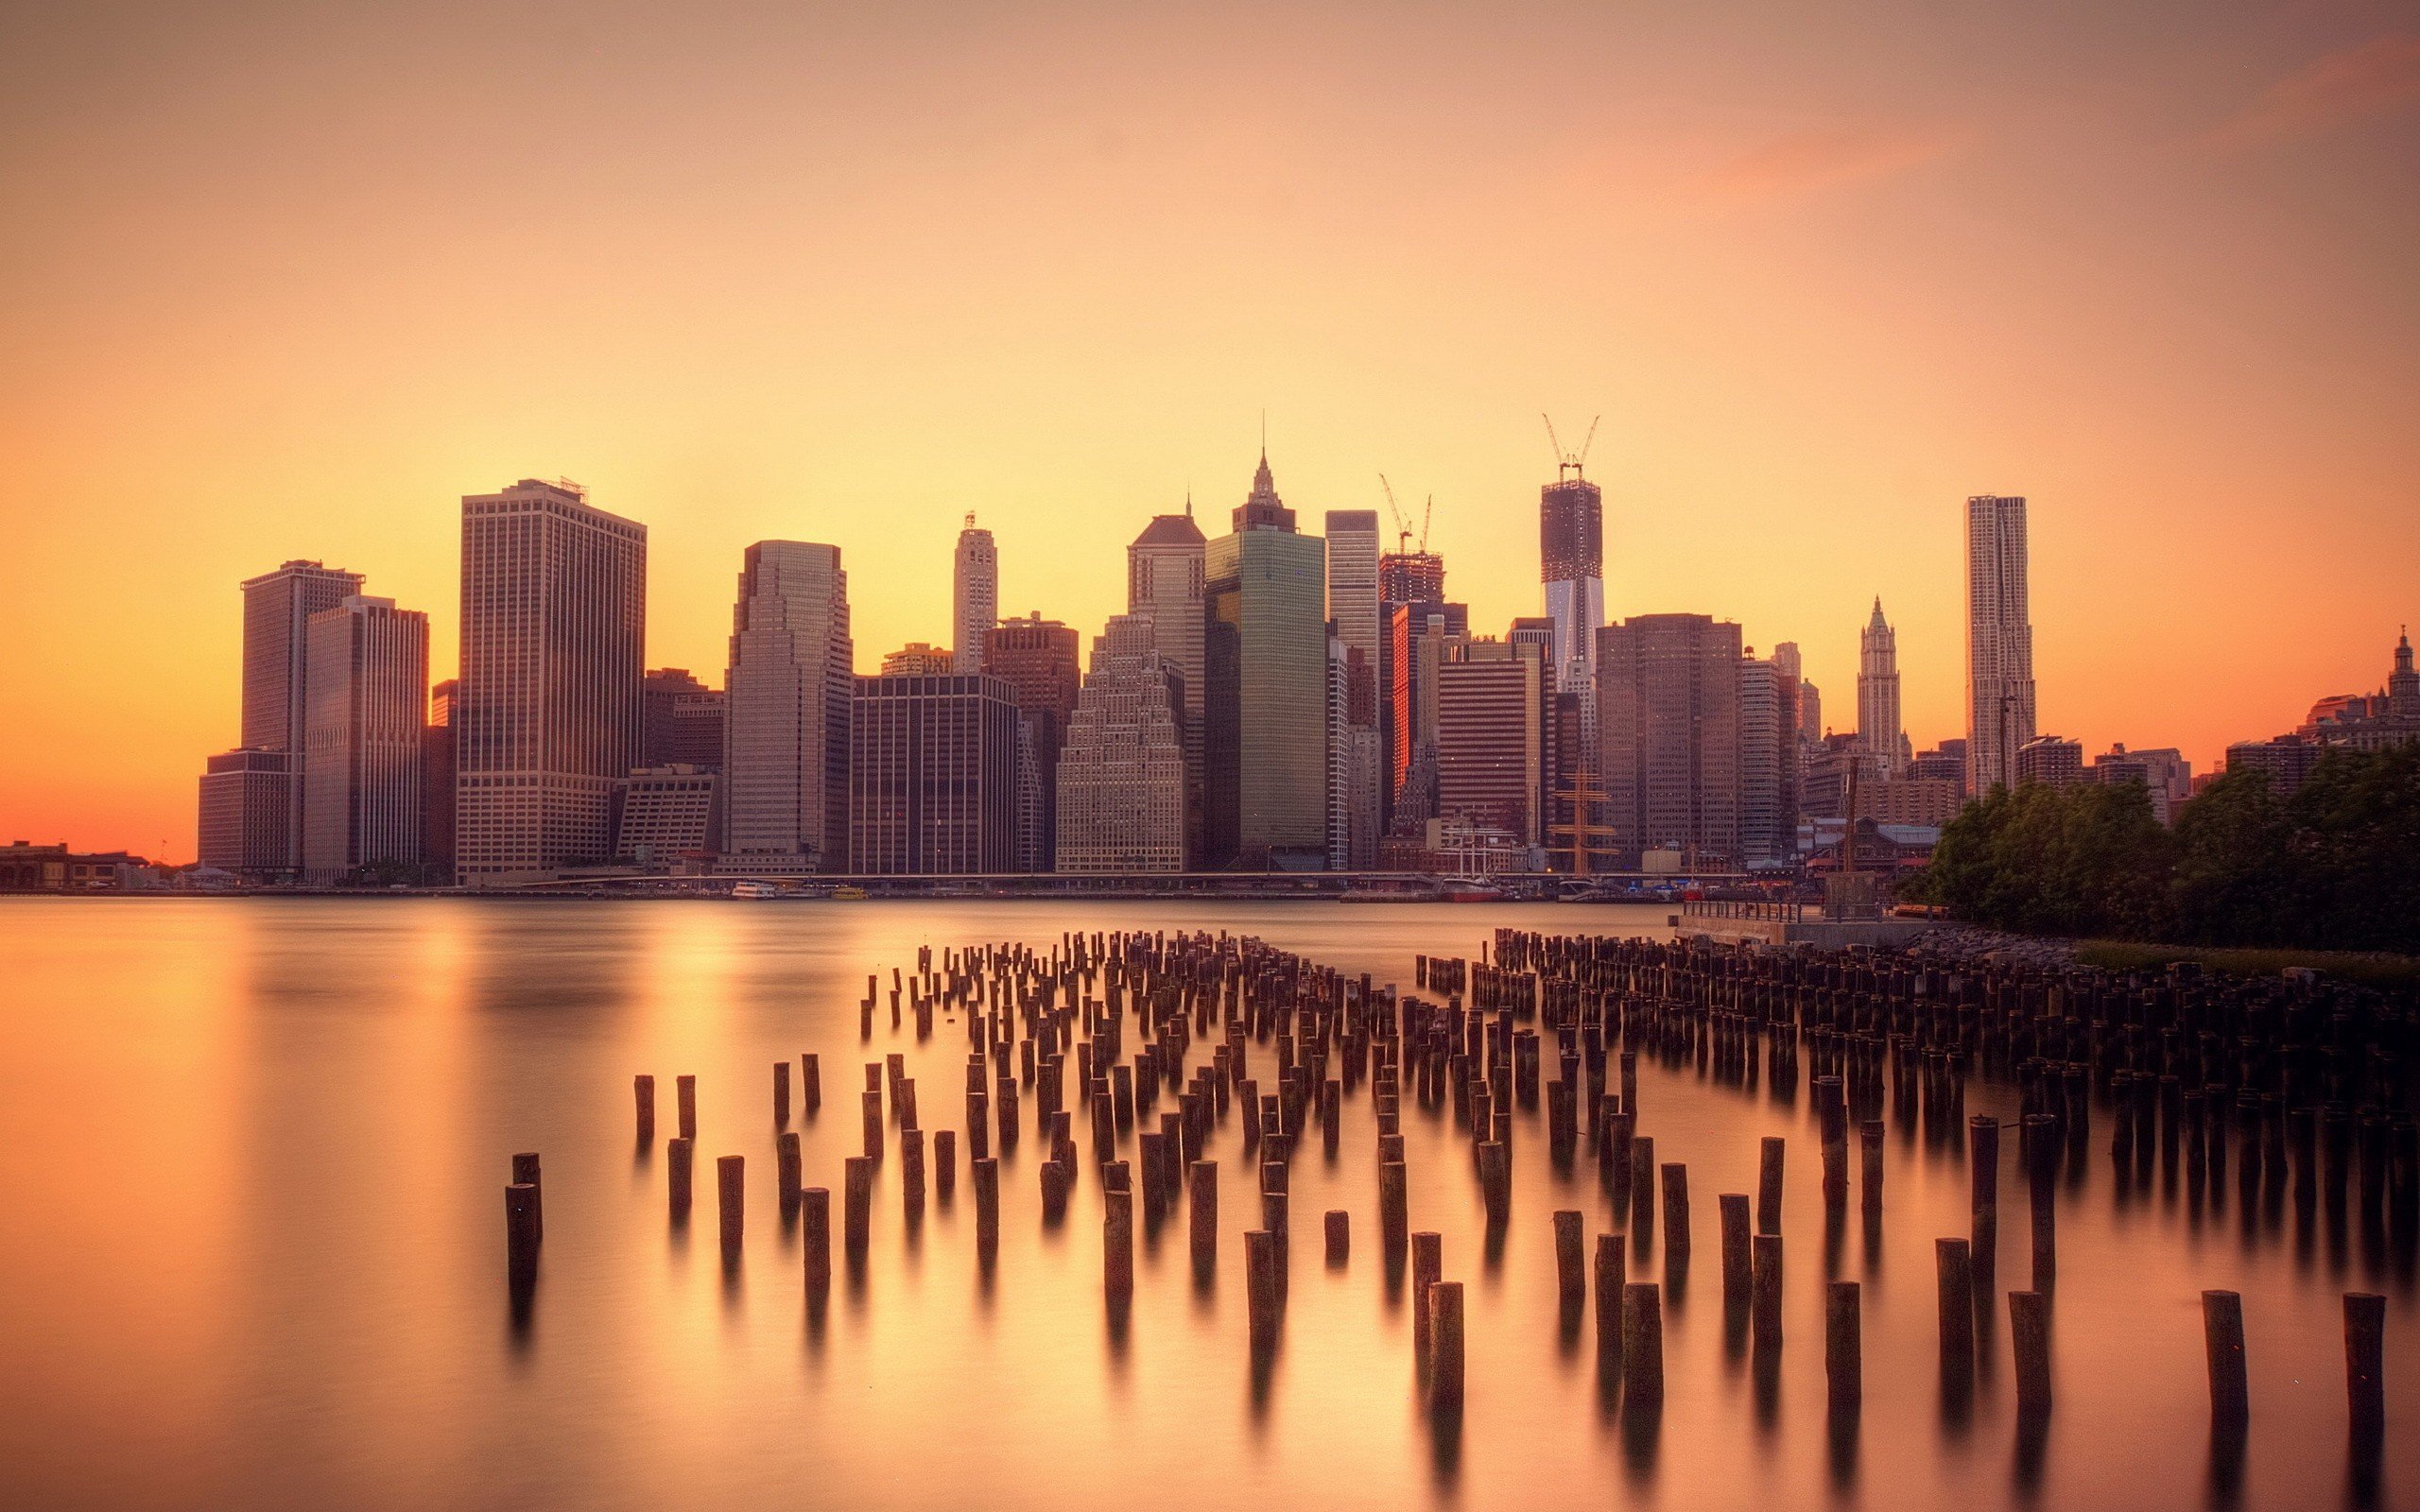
(287, 281)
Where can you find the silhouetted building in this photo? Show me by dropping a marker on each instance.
(1037, 659)
(1122, 775)
(791, 696)
(362, 732)
(932, 776)
(2000, 641)
(247, 813)
(1165, 581)
(2166, 776)
(548, 722)
(277, 605)
(681, 721)
(1266, 706)
(2287, 761)
(1667, 722)
(2390, 716)
(2050, 761)
(975, 595)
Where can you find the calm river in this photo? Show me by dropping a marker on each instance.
(252, 1255)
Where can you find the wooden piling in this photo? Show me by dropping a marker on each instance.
(1569, 1264)
(1612, 1268)
(525, 1171)
(790, 1171)
(781, 1094)
(677, 1163)
(521, 1232)
(1445, 1309)
(1643, 1344)
(1769, 1187)
(1737, 1270)
(815, 1232)
(871, 1102)
(1953, 1264)
(1428, 1267)
(643, 1091)
(730, 1197)
(856, 1209)
(1117, 1244)
(1870, 1163)
(1764, 1312)
(1676, 1215)
(1395, 1210)
(810, 1084)
(1339, 1237)
(2029, 1327)
(2365, 1359)
(945, 1161)
(2223, 1337)
(684, 1091)
(1260, 1283)
(1843, 1370)
(987, 1202)
(1202, 1200)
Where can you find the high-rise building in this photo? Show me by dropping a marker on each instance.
(2166, 774)
(681, 721)
(1352, 579)
(1122, 782)
(1767, 763)
(932, 776)
(1412, 577)
(247, 813)
(277, 605)
(362, 733)
(1878, 728)
(548, 722)
(1668, 725)
(1352, 757)
(919, 659)
(1266, 706)
(1571, 562)
(437, 768)
(974, 596)
(2000, 641)
(2050, 761)
(1946, 761)
(1534, 635)
(1164, 582)
(1038, 660)
(789, 699)
(1491, 736)
(665, 817)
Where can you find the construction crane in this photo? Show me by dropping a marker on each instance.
(1569, 463)
(1403, 529)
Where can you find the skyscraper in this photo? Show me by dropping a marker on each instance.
(548, 722)
(1878, 729)
(1037, 659)
(974, 596)
(277, 606)
(1491, 736)
(1768, 763)
(1667, 724)
(788, 703)
(437, 782)
(1352, 579)
(247, 821)
(1356, 742)
(1122, 781)
(1164, 582)
(932, 776)
(1571, 562)
(682, 719)
(2000, 641)
(1266, 706)
(362, 731)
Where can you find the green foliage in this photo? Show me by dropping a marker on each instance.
(2336, 865)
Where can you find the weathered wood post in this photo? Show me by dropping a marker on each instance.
(1955, 1280)
(1769, 1187)
(643, 1091)
(857, 1195)
(1642, 1187)
(1117, 1244)
(1444, 1308)
(944, 1162)
(2222, 1337)
(987, 1203)
(2364, 1359)
(520, 1232)
(1427, 1268)
(1260, 1283)
(1395, 1209)
(790, 1171)
(1843, 1370)
(525, 1171)
(1764, 1312)
(781, 1094)
(1870, 1163)
(1202, 1200)
(815, 1229)
(1676, 1216)
(2042, 1162)
(684, 1091)
(1612, 1274)
(730, 1197)
(810, 1084)
(1643, 1344)
(1737, 1270)
(677, 1162)
(2029, 1326)
(1571, 1280)
(1339, 1241)
(912, 1167)
(871, 1102)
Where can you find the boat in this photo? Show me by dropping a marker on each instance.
(756, 889)
(1472, 892)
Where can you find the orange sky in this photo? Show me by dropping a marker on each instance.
(289, 280)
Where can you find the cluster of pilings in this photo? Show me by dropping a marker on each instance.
(1186, 1041)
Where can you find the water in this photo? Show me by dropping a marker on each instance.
(252, 1255)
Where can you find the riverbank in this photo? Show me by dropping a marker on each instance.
(1970, 942)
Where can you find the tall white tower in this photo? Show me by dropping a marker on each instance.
(975, 598)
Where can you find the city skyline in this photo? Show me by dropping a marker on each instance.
(1823, 281)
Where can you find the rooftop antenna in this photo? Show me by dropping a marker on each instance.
(1568, 464)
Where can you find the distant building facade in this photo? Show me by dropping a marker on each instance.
(932, 776)
(2000, 641)
(363, 724)
(1571, 564)
(789, 697)
(2050, 761)
(681, 721)
(1038, 660)
(974, 596)
(547, 720)
(1122, 783)
(1266, 705)
(1166, 584)
(1667, 721)
(1878, 728)
(919, 659)
(247, 813)
(665, 817)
